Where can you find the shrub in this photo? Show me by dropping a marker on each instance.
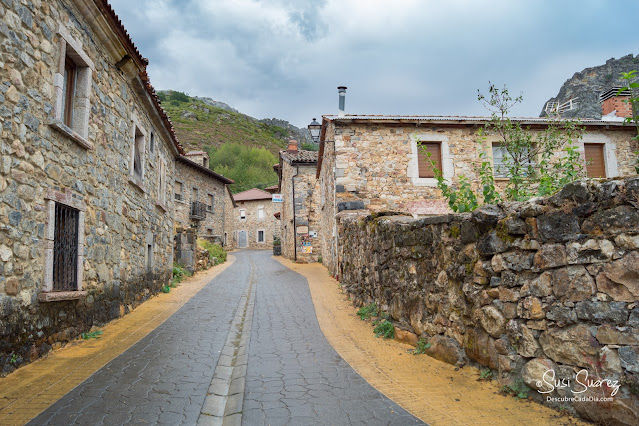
(368, 311)
(385, 329)
(179, 273)
(215, 251)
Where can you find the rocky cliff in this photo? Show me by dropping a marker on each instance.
(585, 86)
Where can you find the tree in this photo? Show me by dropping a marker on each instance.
(249, 167)
(631, 86)
(528, 159)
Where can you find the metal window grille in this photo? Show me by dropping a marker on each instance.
(65, 248)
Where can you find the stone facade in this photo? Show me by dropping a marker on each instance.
(523, 288)
(371, 163)
(254, 219)
(299, 219)
(200, 198)
(101, 154)
(230, 218)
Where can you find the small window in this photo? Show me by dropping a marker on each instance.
(209, 231)
(204, 162)
(425, 167)
(65, 248)
(68, 90)
(209, 205)
(195, 194)
(162, 182)
(260, 212)
(260, 236)
(242, 213)
(502, 158)
(595, 162)
(178, 190)
(226, 235)
(149, 257)
(138, 153)
(152, 143)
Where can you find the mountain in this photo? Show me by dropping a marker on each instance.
(200, 122)
(584, 87)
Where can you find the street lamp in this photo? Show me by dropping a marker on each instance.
(315, 128)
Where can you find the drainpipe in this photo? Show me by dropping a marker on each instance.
(297, 170)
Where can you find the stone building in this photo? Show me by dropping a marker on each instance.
(228, 239)
(200, 197)
(255, 223)
(375, 162)
(86, 212)
(299, 218)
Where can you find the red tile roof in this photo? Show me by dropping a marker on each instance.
(252, 194)
(203, 169)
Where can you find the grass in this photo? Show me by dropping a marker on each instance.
(517, 389)
(422, 345)
(91, 334)
(384, 329)
(368, 311)
(215, 251)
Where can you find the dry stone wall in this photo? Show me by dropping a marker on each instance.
(522, 288)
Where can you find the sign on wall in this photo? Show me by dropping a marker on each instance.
(278, 198)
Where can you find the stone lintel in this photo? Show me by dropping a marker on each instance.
(58, 296)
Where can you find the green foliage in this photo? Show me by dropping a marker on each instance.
(215, 251)
(277, 242)
(320, 259)
(14, 359)
(368, 311)
(384, 329)
(632, 85)
(165, 289)
(486, 374)
(91, 334)
(310, 147)
(422, 345)
(179, 272)
(518, 389)
(249, 167)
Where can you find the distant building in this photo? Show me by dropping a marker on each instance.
(299, 217)
(255, 223)
(200, 195)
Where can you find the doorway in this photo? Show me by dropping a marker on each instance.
(241, 239)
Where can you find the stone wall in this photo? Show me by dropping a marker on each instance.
(212, 227)
(550, 284)
(306, 205)
(373, 165)
(43, 162)
(229, 237)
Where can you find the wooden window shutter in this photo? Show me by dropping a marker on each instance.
(595, 167)
(435, 150)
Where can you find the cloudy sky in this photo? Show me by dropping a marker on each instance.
(285, 58)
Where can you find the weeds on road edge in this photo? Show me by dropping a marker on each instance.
(91, 334)
(368, 311)
(421, 347)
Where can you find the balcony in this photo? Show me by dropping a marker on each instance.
(198, 210)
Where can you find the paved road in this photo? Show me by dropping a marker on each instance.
(293, 376)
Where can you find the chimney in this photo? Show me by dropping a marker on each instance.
(615, 103)
(292, 146)
(342, 98)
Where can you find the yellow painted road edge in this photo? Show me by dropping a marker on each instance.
(33, 388)
(431, 390)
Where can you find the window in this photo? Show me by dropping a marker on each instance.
(595, 161)
(195, 194)
(68, 91)
(64, 254)
(204, 162)
(242, 213)
(260, 212)
(162, 181)
(178, 190)
(260, 236)
(138, 154)
(149, 257)
(424, 165)
(225, 239)
(209, 205)
(152, 143)
(502, 159)
(72, 88)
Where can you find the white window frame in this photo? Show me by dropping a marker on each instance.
(257, 235)
(48, 295)
(181, 199)
(139, 139)
(262, 210)
(491, 155)
(79, 129)
(609, 151)
(242, 214)
(413, 163)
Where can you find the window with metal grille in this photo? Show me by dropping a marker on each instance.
(425, 167)
(65, 248)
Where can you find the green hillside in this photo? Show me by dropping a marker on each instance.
(198, 125)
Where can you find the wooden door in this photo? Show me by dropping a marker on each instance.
(596, 165)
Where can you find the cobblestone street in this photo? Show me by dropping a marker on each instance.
(177, 373)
